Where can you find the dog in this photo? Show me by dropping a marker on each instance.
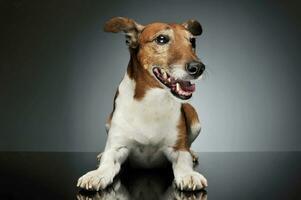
(152, 123)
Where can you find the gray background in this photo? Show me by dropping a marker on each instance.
(59, 72)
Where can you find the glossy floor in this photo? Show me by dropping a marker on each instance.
(232, 176)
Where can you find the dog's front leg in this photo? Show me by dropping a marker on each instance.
(185, 177)
(110, 164)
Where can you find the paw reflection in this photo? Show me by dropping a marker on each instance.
(178, 195)
(143, 185)
(116, 191)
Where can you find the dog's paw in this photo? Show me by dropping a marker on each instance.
(191, 181)
(95, 180)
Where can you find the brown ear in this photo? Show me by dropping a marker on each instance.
(193, 26)
(131, 29)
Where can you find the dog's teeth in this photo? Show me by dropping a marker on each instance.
(177, 87)
(169, 79)
(164, 75)
(187, 93)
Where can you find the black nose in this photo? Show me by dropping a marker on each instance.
(195, 68)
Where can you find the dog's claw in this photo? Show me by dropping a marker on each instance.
(191, 182)
(95, 180)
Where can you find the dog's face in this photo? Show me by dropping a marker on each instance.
(166, 51)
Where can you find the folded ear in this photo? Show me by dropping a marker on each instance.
(131, 29)
(193, 26)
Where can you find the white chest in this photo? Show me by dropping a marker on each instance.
(150, 121)
(147, 126)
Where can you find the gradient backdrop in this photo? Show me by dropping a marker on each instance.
(59, 72)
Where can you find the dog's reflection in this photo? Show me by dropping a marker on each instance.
(143, 185)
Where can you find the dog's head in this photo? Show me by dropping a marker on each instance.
(167, 51)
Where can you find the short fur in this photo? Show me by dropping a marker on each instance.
(148, 125)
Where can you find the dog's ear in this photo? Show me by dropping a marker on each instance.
(131, 29)
(193, 26)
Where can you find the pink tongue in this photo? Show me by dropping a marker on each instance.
(190, 88)
(187, 86)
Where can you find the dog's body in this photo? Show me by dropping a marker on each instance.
(149, 126)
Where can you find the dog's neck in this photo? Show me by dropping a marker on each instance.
(143, 79)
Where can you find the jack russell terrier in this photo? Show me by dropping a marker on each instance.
(151, 123)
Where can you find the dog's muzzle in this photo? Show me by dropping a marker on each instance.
(182, 89)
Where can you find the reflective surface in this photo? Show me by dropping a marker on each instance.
(230, 176)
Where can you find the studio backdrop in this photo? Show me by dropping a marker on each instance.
(59, 72)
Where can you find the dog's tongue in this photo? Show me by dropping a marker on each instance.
(187, 86)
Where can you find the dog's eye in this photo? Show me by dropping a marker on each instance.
(162, 39)
(192, 41)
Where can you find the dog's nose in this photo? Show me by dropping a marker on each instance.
(195, 68)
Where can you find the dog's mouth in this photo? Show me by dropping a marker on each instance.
(182, 89)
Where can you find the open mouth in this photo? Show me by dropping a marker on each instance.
(179, 88)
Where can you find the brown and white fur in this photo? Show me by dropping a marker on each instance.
(149, 125)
